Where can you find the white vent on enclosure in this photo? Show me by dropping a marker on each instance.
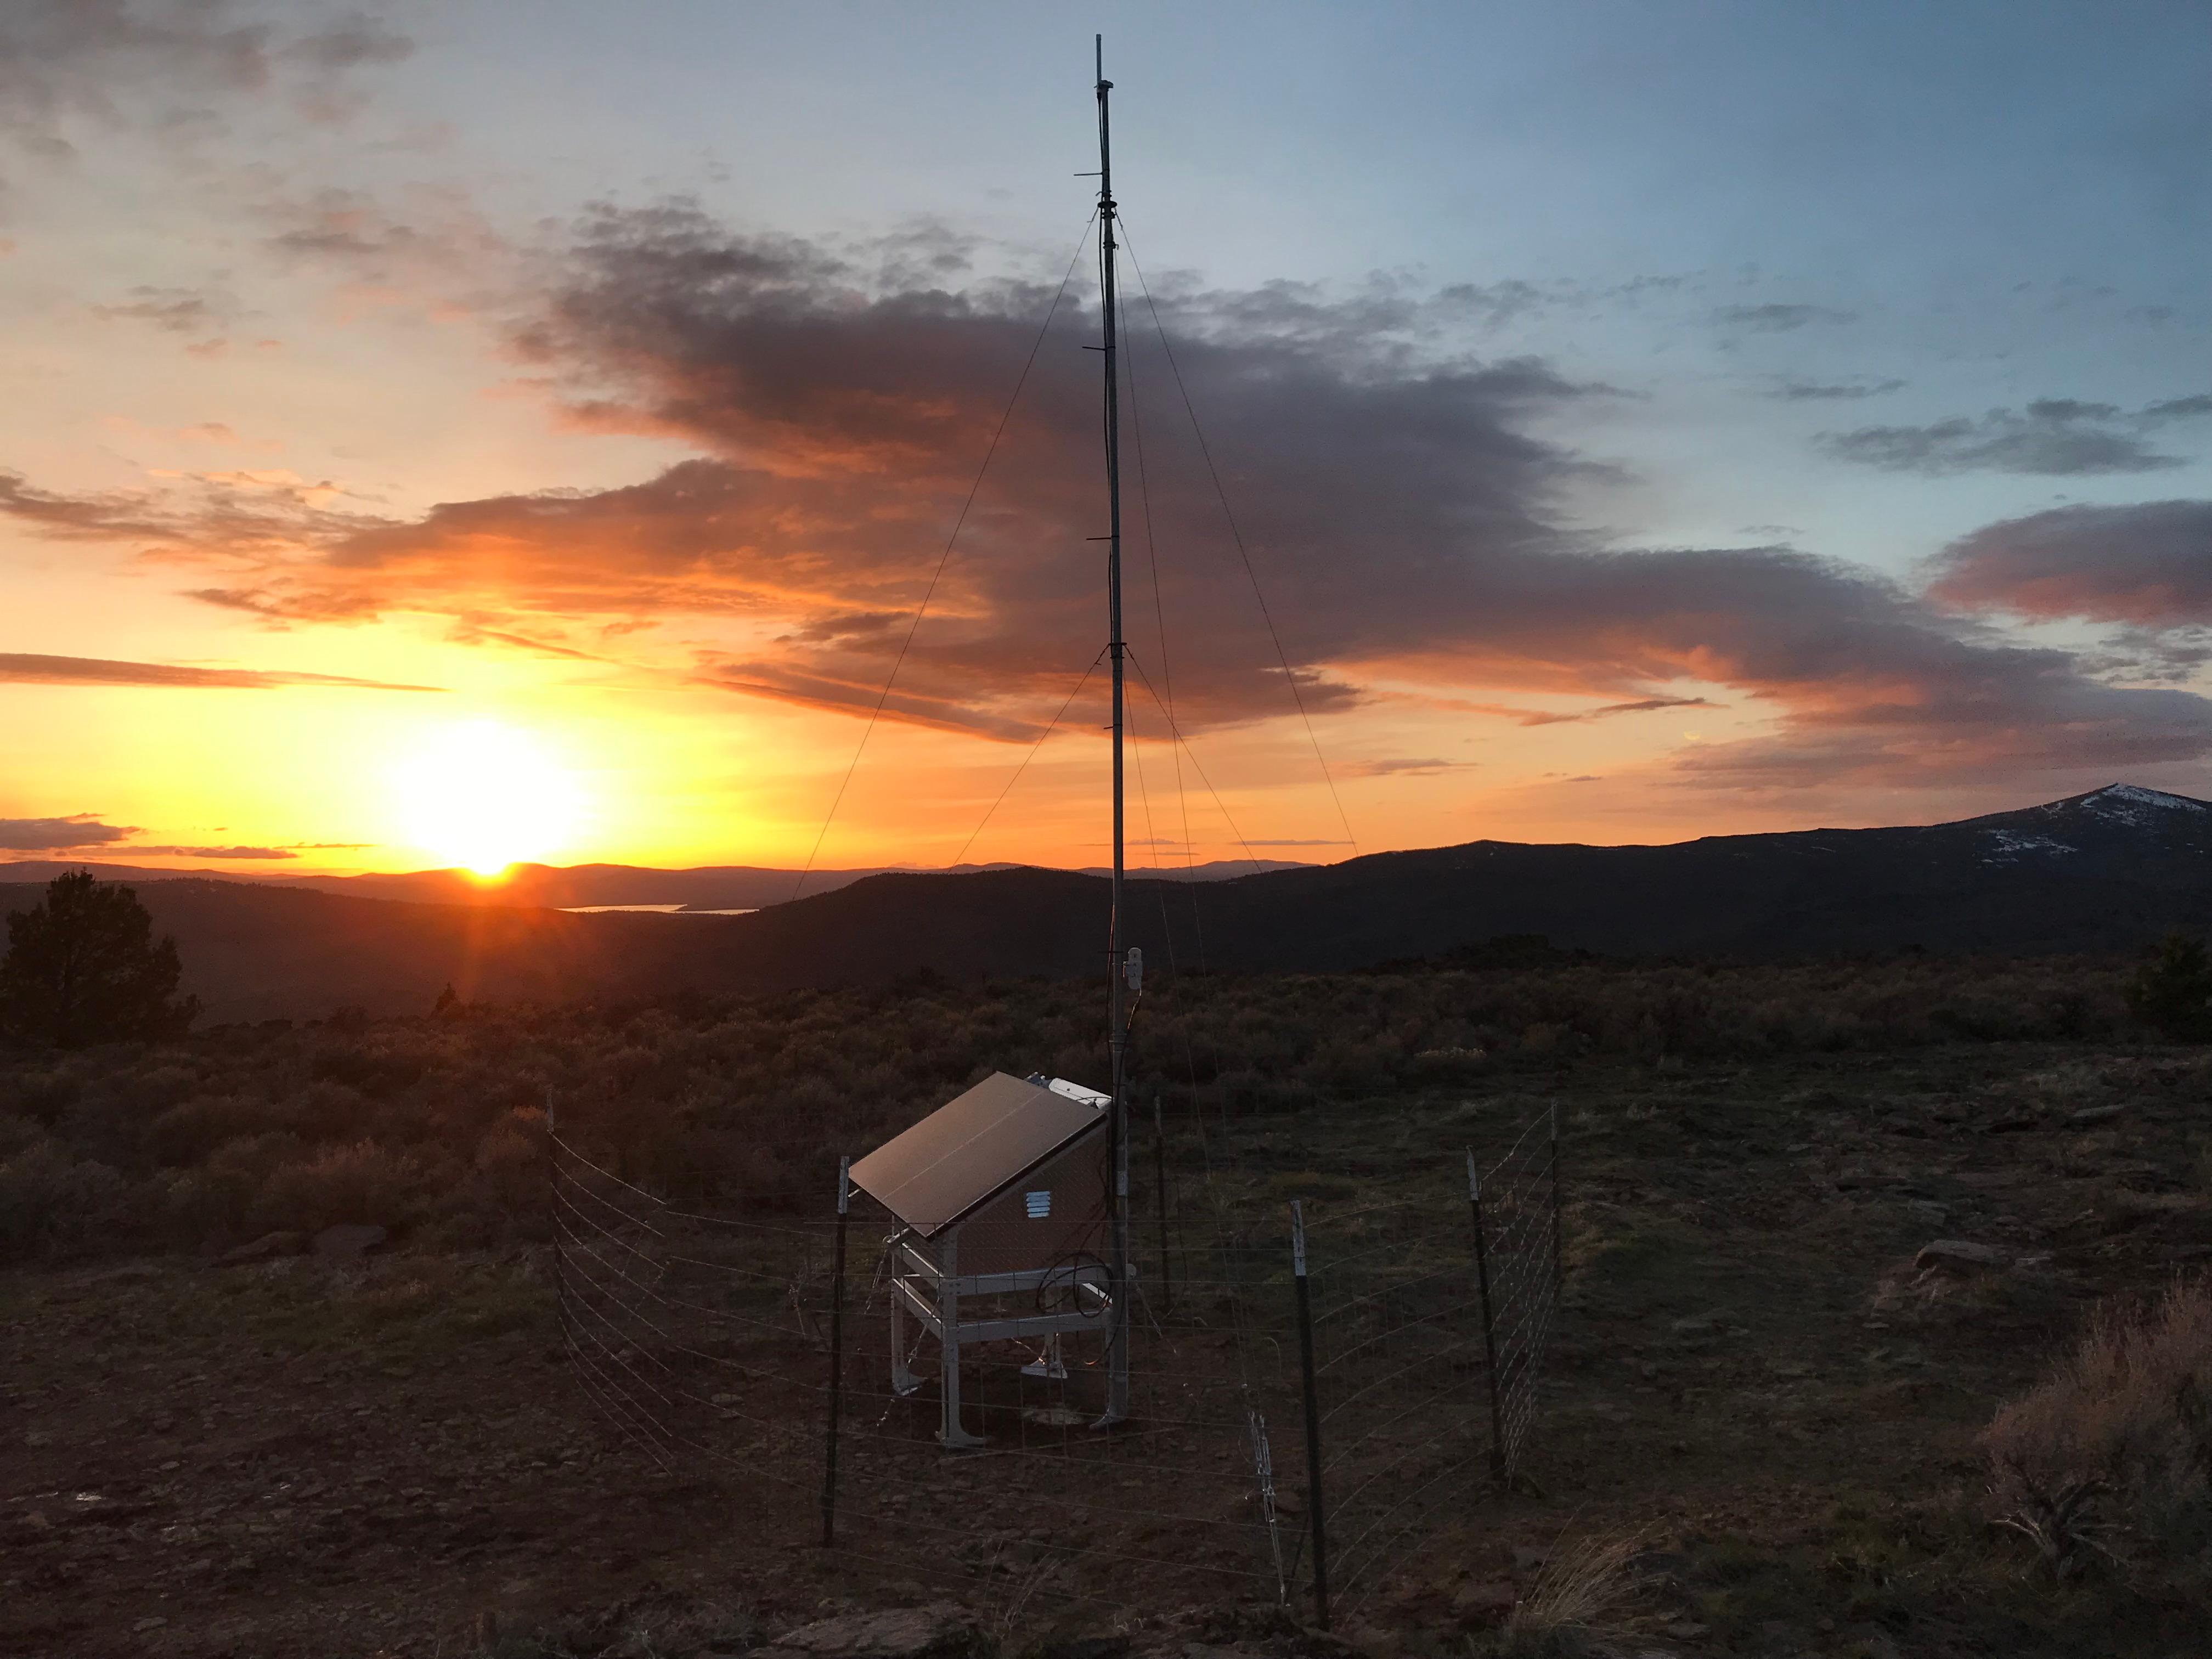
(1039, 1204)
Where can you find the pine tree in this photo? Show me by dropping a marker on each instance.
(84, 966)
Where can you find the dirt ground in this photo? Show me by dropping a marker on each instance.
(299, 1457)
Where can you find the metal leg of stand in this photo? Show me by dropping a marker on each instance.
(904, 1381)
(951, 1435)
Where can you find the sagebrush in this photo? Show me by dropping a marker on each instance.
(2113, 1453)
(433, 1125)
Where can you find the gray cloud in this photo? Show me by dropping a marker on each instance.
(113, 517)
(2053, 436)
(1809, 391)
(18, 668)
(1522, 716)
(350, 42)
(1777, 319)
(59, 834)
(1641, 706)
(1393, 768)
(2017, 723)
(178, 310)
(156, 63)
(2170, 655)
(254, 853)
(2178, 409)
(439, 238)
(239, 514)
(2148, 565)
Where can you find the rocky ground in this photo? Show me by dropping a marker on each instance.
(1796, 1294)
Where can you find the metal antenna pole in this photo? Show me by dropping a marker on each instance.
(1117, 1397)
(1316, 1510)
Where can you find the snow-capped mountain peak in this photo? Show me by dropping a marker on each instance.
(2132, 804)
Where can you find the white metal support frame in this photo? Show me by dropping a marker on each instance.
(929, 1291)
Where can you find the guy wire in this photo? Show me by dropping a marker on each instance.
(1027, 759)
(1160, 618)
(1237, 535)
(1248, 855)
(930, 592)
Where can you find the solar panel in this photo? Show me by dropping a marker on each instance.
(975, 1146)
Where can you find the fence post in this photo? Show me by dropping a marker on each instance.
(1489, 1323)
(1263, 1471)
(1314, 1506)
(836, 1360)
(1160, 1200)
(1559, 1254)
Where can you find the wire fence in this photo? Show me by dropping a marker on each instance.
(1517, 1226)
(1310, 1400)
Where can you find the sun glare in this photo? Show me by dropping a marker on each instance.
(483, 796)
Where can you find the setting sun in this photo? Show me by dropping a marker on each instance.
(484, 795)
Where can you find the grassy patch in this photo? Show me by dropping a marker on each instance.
(1645, 1265)
(410, 1307)
(398, 1308)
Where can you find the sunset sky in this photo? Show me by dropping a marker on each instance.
(440, 433)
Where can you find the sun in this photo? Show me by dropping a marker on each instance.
(486, 795)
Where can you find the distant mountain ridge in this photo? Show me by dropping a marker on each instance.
(710, 888)
(2104, 871)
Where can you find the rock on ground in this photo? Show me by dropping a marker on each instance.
(1956, 1255)
(267, 1247)
(349, 1238)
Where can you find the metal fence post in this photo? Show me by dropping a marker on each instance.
(836, 1360)
(1314, 1506)
(1160, 1200)
(1263, 1471)
(1489, 1322)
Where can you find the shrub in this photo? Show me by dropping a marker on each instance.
(17, 1135)
(375, 1068)
(53, 1204)
(191, 1132)
(733, 1104)
(328, 1110)
(1579, 1601)
(511, 1162)
(202, 1206)
(2117, 1440)
(360, 1183)
(2171, 992)
(43, 1094)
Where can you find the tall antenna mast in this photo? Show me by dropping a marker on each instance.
(1122, 970)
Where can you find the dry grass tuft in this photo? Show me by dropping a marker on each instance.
(2117, 1440)
(1579, 1602)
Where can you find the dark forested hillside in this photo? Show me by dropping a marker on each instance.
(2102, 872)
